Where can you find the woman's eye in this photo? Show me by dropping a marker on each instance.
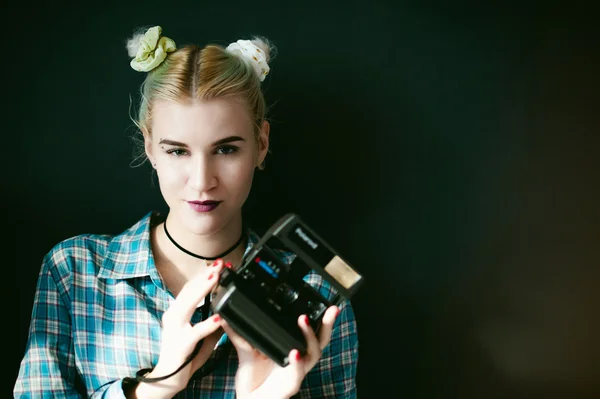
(226, 150)
(176, 151)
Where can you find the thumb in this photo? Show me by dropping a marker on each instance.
(236, 339)
(206, 350)
(284, 381)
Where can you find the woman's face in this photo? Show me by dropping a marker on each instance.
(205, 151)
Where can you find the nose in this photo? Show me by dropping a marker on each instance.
(202, 176)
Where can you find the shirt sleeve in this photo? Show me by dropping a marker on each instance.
(334, 376)
(48, 369)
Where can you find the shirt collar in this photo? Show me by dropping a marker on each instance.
(129, 254)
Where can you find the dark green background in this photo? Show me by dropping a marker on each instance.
(450, 153)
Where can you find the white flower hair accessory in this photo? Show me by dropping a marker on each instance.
(253, 55)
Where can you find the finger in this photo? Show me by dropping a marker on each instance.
(327, 324)
(207, 348)
(313, 349)
(192, 293)
(206, 327)
(295, 366)
(286, 380)
(236, 339)
(197, 288)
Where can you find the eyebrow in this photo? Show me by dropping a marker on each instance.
(225, 140)
(229, 139)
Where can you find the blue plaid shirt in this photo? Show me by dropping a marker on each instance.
(96, 319)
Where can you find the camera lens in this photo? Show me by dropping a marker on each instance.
(286, 293)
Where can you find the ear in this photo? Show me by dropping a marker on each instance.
(148, 147)
(263, 142)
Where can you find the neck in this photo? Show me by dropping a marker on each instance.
(185, 249)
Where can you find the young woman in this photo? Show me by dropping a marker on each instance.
(110, 308)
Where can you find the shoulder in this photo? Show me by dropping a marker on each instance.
(77, 249)
(70, 264)
(85, 253)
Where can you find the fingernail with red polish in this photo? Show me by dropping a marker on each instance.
(305, 320)
(297, 355)
(212, 275)
(228, 265)
(216, 317)
(218, 262)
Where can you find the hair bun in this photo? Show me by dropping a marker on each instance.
(256, 52)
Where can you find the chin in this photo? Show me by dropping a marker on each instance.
(206, 223)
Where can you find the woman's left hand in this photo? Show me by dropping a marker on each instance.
(260, 377)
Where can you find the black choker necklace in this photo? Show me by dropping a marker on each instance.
(199, 256)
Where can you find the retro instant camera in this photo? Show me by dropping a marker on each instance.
(264, 297)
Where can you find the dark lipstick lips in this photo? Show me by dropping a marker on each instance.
(204, 202)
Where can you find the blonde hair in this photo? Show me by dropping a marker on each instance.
(195, 73)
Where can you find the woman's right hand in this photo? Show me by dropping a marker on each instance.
(179, 338)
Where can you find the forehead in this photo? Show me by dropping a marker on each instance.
(201, 119)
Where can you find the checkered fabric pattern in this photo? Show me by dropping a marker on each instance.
(96, 320)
